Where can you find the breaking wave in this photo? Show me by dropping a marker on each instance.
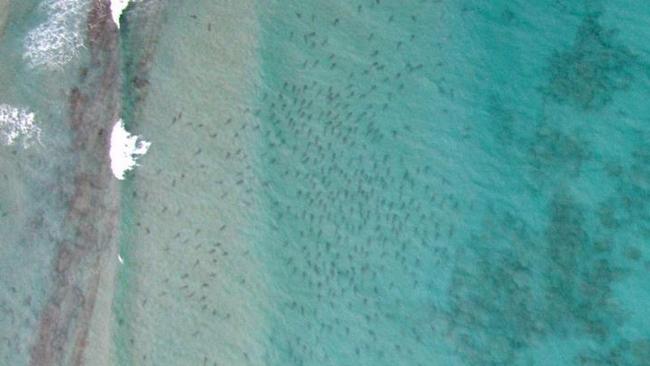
(59, 39)
(17, 123)
(117, 7)
(125, 148)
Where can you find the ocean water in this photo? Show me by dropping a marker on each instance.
(456, 182)
(36, 181)
(422, 182)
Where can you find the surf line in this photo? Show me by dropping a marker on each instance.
(93, 213)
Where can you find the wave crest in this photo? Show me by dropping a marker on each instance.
(117, 7)
(125, 148)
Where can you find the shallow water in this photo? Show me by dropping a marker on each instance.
(334, 183)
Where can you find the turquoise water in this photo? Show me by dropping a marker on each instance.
(350, 183)
(457, 183)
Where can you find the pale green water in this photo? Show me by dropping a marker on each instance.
(36, 184)
(354, 183)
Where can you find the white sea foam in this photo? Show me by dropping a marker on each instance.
(117, 7)
(16, 123)
(58, 40)
(125, 148)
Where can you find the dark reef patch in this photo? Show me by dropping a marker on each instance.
(92, 217)
(596, 66)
